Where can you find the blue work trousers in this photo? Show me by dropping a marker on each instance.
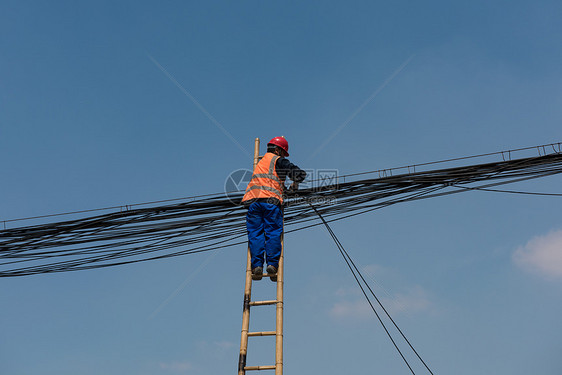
(264, 222)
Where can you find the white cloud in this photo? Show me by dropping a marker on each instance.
(224, 344)
(214, 346)
(180, 367)
(542, 254)
(358, 309)
(353, 306)
(413, 300)
(375, 269)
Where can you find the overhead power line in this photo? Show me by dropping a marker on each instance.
(506, 155)
(213, 222)
(512, 191)
(362, 283)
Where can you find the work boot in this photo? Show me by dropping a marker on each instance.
(272, 271)
(257, 273)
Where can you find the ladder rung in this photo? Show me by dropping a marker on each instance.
(250, 368)
(265, 333)
(263, 303)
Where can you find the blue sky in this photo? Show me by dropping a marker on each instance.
(88, 119)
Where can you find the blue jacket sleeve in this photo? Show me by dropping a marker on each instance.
(285, 169)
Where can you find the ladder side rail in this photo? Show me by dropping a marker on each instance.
(279, 315)
(247, 292)
(245, 318)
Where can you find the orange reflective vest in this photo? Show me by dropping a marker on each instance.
(265, 182)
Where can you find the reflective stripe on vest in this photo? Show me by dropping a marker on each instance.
(265, 182)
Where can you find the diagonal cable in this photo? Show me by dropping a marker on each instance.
(199, 105)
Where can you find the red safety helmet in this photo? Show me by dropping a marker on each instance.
(280, 142)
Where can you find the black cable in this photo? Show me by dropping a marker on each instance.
(149, 233)
(556, 149)
(347, 260)
(371, 290)
(511, 191)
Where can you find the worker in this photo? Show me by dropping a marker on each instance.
(264, 199)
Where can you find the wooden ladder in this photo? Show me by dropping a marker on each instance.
(248, 303)
(278, 333)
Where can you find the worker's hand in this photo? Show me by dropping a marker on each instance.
(294, 186)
